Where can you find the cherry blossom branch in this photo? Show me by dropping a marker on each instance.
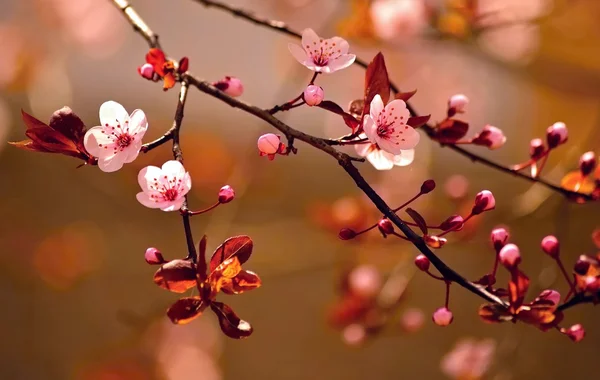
(579, 298)
(343, 159)
(282, 27)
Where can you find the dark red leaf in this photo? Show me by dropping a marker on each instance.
(230, 323)
(376, 82)
(451, 130)
(177, 276)
(223, 274)
(29, 145)
(418, 219)
(157, 59)
(486, 280)
(405, 95)
(517, 288)
(243, 282)
(69, 125)
(434, 241)
(330, 106)
(185, 310)
(184, 65)
(356, 108)
(237, 246)
(418, 121)
(201, 262)
(494, 313)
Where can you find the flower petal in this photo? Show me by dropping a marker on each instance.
(230, 323)
(299, 54)
(173, 168)
(131, 152)
(148, 176)
(112, 113)
(172, 205)
(341, 44)
(138, 124)
(144, 199)
(370, 129)
(310, 39)
(111, 163)
(405, 158)
(94, 138)
(364, 149)
(341, 62)
(185, 310)
(177, 276)
(381, 160)
(376, 107)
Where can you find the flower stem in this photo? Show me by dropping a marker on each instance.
(192, 213)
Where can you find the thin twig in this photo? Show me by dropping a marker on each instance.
(282, 27)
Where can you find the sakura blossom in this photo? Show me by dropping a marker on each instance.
(386, 127)
(382, 160)
(165, 187)
(322, 55)
(119, 139)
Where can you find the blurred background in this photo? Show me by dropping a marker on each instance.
(79, 298)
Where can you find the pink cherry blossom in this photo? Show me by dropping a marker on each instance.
(119, 139)
(154, 257)
(226, 194)
(146, 71)
(322, 55)
(556, 134)
(575, 332)
(382, 160)
(469, 359)
(484, 201)
(164, 188)
(491, 137)
(458, 103)
(232, 86)
(551, 246)
(386, 126)
(510, 256)
(313, 95)
(442, 317)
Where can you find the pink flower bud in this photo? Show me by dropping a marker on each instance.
(422, 262)
(551, 246)
(232, 86)
(269, 144)
(226, 194)
(491, 137)
(442, 317)
(582, 265)
(536, 148)
(154, 257)
(576, 332)
(556, 134)
(499, 238)
(146, 71)
(427, 186)
(412, 320)
(385, 226)
(510, 256)
(453, 223)
(365, 281)
(550, 295)
(458, 103)
(354, 334)
(484, 201)
(313, 95)
(347, 234)
(587, 163)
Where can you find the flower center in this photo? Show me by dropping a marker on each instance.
(384, 130)
(170, 194)
(124, 140)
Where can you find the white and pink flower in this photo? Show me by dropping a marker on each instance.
(119, 139)
(387, 126)
(164, 188)
(382, 160)
(322, 55)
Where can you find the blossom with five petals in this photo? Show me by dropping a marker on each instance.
(322, 55)
(164, 188)
(119, 139)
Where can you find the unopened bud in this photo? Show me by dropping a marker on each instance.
(427, 186)
(313, 95)
(499, 238)
(582, 265)
(536, 148)
(269, 144)
(491, 137)
(587, 163)
(226, 194)
(385, 227)
(154, 257)
(347, 234)
(510, 256)
(576, 332)
(232, 86)
(484, 201)
(457, 104)
(435, 242)
(556, 134)
(422, 262)
(551, 246)
(146, 71)
(453, 223)
(442, 316)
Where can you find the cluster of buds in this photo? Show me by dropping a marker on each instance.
(484, 201)
(543, 312)
(556, 135)
(442, 316)
(158, 67)
(452, 130)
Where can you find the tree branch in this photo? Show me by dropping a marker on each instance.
(282, 27)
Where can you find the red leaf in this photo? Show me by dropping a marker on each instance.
(418, 219)
(517, 288)
(243, 282)
(69, 125)
(224, 273)
(434, 241)
(376, 82)
(29, 145)
(494, 313)
(405, 95)
(168, 81)
(237, 246)
(486, 280)
(356, 108)
(330, 106)
(230, 323)
(184, 65)
(451, 130)
(157, 59)
(201, 262)
(177, 276)
(418, 121)
(185, 310)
